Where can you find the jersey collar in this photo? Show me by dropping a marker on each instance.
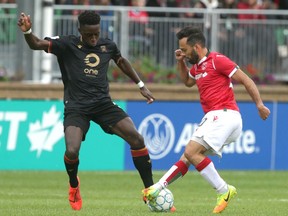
(204, 58)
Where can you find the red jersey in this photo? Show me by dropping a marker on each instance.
(213, 78)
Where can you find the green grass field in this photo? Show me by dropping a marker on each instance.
(24, 193)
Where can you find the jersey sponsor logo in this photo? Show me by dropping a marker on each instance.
(159, 135)
(218, 55)
(90, 72)
(201, 75)
(91, 60)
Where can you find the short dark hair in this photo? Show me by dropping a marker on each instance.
(194, 35)
(89, 18)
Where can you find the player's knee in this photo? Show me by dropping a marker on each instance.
(72, 151)
(188, 154)
(137, 141)
(71, 154)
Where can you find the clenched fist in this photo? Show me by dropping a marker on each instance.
(24, 22)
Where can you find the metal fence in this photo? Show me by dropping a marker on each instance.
(7, 39)
(259, 46)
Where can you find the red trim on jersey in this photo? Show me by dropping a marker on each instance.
(50, 47)
(204, 163)
(140, 152)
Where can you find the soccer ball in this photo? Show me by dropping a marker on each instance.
(163, 202)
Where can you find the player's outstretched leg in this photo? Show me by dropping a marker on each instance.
(75, 199)
(224, 199)
(178, 170)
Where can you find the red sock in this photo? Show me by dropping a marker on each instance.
(204, 163)
(179, 169)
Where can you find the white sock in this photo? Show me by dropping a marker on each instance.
(212, 176)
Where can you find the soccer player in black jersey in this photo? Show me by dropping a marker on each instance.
(84, 62)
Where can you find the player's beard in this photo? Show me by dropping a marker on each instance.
(194, 57)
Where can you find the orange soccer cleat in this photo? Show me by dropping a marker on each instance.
(75, 199)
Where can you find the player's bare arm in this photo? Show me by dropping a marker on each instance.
(183, 69)
(126, 67)
(34, 42)
(252, 89)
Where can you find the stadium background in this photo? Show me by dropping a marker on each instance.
(31, 129)
(31, 109)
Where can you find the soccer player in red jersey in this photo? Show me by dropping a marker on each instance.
(212, 72)
(84, 61)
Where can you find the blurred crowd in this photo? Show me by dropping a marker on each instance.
(142, 34)
(228, 4)
(149, 35)
(231, 4)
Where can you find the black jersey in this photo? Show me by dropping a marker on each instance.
(84, 69)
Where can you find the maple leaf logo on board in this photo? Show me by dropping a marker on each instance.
(43, 135)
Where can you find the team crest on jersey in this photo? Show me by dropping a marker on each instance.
(103, 48)
(204, 65)
(79, 46)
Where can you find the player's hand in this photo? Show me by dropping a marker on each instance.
(147, 94)
(264, 112)
(24, 22)
(179, 55)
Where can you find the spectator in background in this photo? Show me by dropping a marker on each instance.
(282, 5)
(209, 4)
(7, 25)
(139, 31)
(162, 3)
(164, 33)
(228, 4)
(230, 34)
(62, 26)
(250, 4)
(186, 4)
(281, 34)
(259, 38)
(206, 4)
(107, 25)
(120, 2)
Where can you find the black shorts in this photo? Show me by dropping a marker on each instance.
(106, 115)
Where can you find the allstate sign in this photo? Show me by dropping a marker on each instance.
(159, 134)
(168, 126)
